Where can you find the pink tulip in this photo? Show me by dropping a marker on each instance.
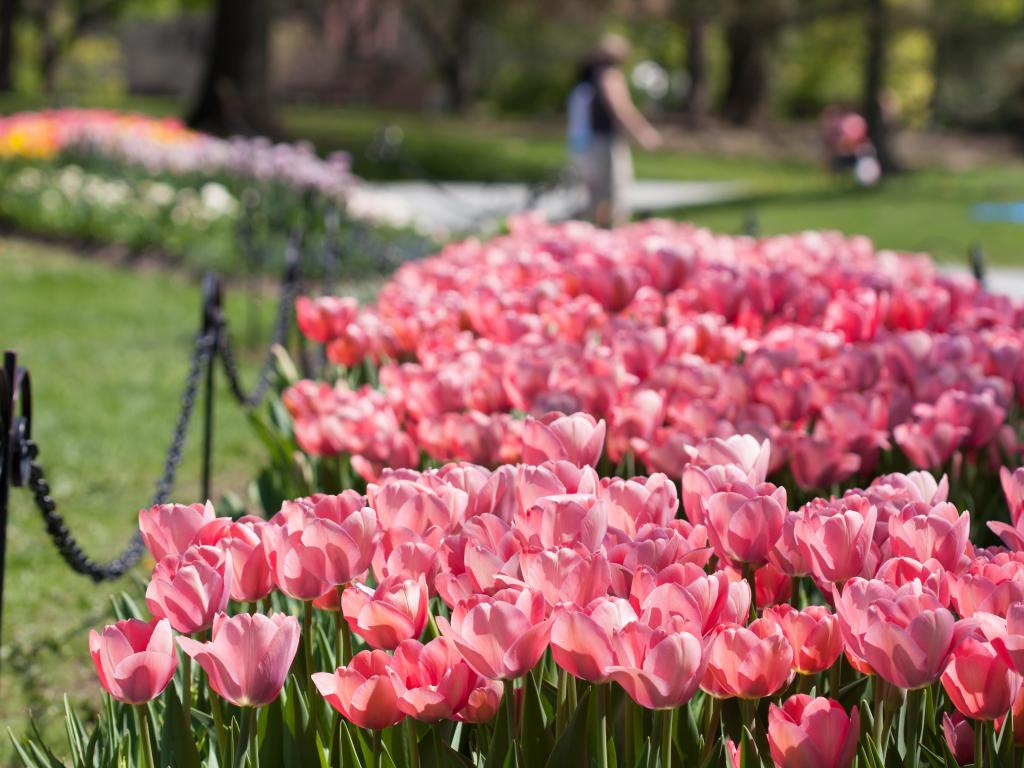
(566, 575)
(1007, 635)
(170, 529)
(566, 520)
(251, 579)
(813, 634)
(835, 537)
(745, 523)
(1013, 489)
(988, 587)
(135, 660)
(959, 733)
(659, 668)
(633, 503)
(581, 639)
(687, 592)
(363, 692)
(319, 546)
(395, 611)
(937, 532)
(433, 683)
(909, 639)
(578, 438)
(248, 656)
(899, 571)
(812, 733)
(190, 590)
(980, 681)
(500, 639)
(747, 662)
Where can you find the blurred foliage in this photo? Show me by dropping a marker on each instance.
(94, 65)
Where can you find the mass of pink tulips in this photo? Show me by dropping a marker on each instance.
(642, 497)
(467, 615)
(851, 361)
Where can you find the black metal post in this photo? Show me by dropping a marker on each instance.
(6, 435)
(976, 257)
(212, 328)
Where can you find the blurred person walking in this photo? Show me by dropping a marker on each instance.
(602, 118)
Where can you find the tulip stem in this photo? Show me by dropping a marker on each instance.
(710, 725)
(218, 722)
(601, 689)
(835, 678)
(667, 716)
(880, 693)
(246, 739)
(186, 687)
(142, 712)
(913, 737)
(560, 702)
(376, 747)
(412, 745)
(307, 655)
(979, 743)
(510, 715)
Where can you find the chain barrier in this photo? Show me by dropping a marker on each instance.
(282, 325)
(19, 453)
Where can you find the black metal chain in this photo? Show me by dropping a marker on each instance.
(56, 526)
(282, 325)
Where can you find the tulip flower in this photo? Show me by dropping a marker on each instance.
(310, 554)
(1013, 489)
(744, 524)
(980, 681)
(923, 533)
(959, 733)
(658, 668)
(251, 579)
(812, 733)
(500, 639)
(170, 529)
(395, 611)
(835, 538)
(135, 660)
(747, 662)
(581, 639)
(578, 438)
(909, 639)
(248, 656)
(433, 683)
(191, 589)
(363, 691)
(813, 633)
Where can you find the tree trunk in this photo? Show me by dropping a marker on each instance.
(235, 93)
(747, 88)
(697, 100)
(877, 31)
(8, 16)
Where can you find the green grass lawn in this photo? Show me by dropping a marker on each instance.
(107, 348)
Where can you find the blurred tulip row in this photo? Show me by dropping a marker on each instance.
(538, 614)
(152, 183)
(851, 361)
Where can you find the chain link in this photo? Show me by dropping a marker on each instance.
(56, 526)
(282, 325)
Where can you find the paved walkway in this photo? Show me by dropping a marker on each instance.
(464, 207)
(1008, 280)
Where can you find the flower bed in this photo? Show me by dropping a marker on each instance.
(849, 360)
(543, 602)
(80, 172)
(539, 614)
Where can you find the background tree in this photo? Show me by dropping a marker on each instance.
(234, 97)
(8, 18)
